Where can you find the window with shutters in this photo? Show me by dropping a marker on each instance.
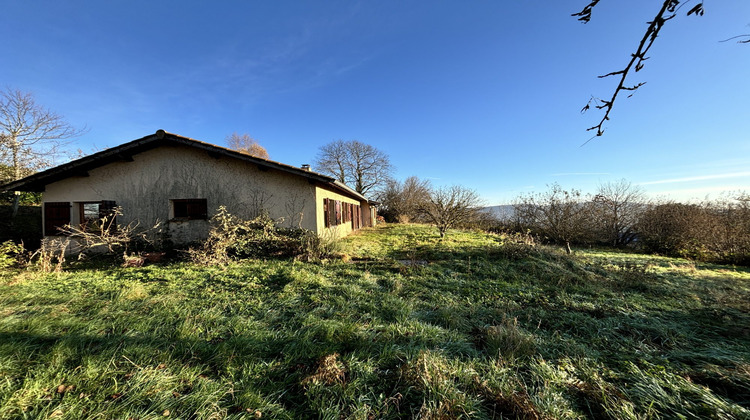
(337, 212)
(190, 209)
(56, 215)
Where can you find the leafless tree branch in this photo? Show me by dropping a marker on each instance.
(745, 41)
(245, 144)
(667, 11)
(30, 135)
(359, 165)
(449, 207)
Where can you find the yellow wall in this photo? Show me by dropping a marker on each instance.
(338, 231)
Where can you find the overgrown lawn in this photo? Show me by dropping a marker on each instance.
(408, 325)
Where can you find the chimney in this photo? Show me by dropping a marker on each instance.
(305, 167)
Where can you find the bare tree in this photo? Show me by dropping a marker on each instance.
(356, 164)
(716, 231)
(667, 11)
(30, 135)
(246, 144)
(401, 201)
(6, 173)
(617, 206)
(562, 216)
(450, 207)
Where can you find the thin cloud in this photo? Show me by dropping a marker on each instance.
(697, 178)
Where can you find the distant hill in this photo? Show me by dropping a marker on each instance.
(502, 212)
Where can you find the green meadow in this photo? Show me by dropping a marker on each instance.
(402, 325)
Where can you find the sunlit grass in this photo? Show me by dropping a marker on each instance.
(412, 326)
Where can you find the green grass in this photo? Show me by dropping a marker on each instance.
(472, 326)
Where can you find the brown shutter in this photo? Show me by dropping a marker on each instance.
(326, 217)
(198, 208)
(331, 212)
(56, 215)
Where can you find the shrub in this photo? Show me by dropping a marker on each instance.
(50, 256)
(106, 236)
(716, 231)
(517, 246)
(11, 254)
(313, 247)
(232, 238)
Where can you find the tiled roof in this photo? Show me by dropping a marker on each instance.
(126, 151)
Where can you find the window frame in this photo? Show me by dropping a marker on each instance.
(194, 208)
(104, 208)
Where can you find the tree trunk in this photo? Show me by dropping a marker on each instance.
(15, 148)
(567, 247)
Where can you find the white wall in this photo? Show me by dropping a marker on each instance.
(144, 187)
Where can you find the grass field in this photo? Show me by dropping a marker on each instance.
(405, 326)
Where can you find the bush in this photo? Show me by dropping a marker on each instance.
(11, 254)
(232, 238)
(313, 247)
(717, 231)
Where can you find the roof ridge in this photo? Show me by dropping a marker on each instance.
(38, 180)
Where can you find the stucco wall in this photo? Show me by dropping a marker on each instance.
(338, 231)
(145, 186)
(369, 214)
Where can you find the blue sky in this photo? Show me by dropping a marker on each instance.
(485, 94)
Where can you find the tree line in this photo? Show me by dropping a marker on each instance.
(619, 215)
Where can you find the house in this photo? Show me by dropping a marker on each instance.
(182, 182)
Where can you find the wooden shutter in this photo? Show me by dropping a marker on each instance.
(56, 215)
(331, 213)
(197, 208)
(326, 217)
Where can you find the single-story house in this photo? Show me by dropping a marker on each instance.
(182, 182)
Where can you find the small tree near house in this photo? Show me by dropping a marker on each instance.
(449, 207)
(401, 201)
(30, 135)
(560, 215)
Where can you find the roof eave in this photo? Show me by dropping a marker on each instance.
(38, 181)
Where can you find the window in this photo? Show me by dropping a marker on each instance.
(91, 213)
(56, 215)
(190, 209)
